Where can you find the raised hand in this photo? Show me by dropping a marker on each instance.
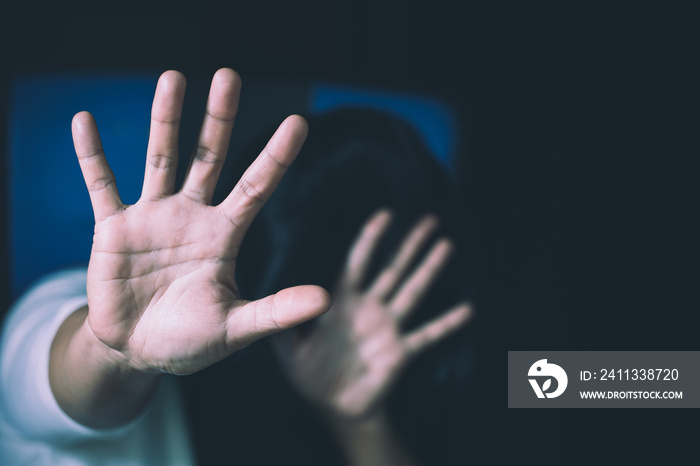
(351, 357)
(161, 290)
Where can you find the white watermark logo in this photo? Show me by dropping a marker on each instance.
(546, 372)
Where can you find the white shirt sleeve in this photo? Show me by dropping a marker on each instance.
(30, 417)
(27, 400)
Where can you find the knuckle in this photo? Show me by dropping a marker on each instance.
(206, 155)
(271, 155)
(90, 154)
(250, 191)
(100, 184)
(266, 317)
(228, 218)
(274, 318)
(222, 117)
(195, 194)
(161, 161)
(164, 120)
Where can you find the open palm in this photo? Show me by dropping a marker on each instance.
(349, 360)
(161, 287)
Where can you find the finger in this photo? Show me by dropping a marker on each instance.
(283, 310)
(98, 176)
(162, 154)
(362, 250)
(410, 294)
(214, 136)
(390, 277)
(262, 177)
(437, 329)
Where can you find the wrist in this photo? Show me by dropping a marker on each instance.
(93, 383)
(350, 429)
(370, 440)
(373, 420)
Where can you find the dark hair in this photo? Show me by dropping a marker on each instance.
(353, 163)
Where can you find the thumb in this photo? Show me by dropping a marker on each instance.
(285, 309)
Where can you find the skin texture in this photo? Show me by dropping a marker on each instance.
(349, 360)
(161, 291)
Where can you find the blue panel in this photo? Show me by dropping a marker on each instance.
(434, 121)
(51, 221)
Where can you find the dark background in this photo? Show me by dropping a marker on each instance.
(576, 165)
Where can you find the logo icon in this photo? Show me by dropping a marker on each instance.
(542, 369)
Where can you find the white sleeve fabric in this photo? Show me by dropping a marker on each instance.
(27, 400)
(33, 427)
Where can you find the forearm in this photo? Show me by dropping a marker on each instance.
(370, 441)
(91, 382)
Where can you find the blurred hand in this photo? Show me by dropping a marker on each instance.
(353, 354)
(161, 290)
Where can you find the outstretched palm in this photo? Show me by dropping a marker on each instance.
(161, 286)
(352, 356)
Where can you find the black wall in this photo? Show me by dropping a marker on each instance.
(579, 181)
